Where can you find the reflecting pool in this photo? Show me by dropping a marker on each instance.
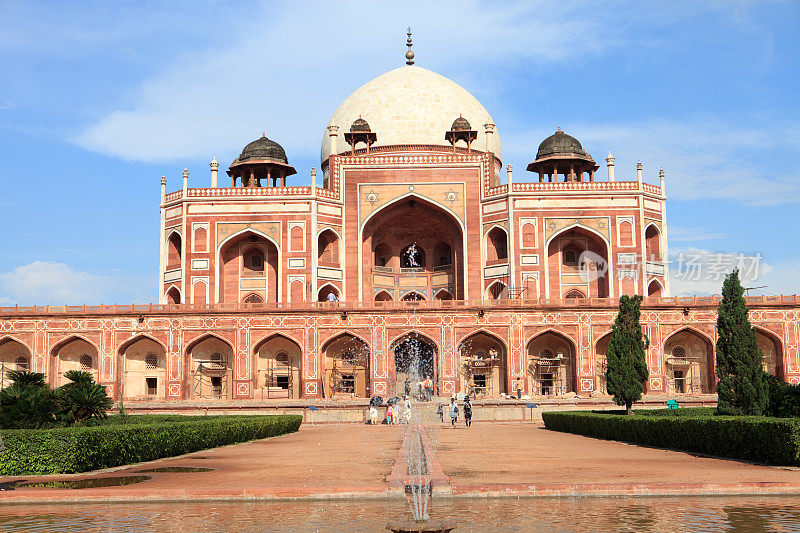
(750, 514)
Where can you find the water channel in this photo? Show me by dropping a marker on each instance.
(747, 514)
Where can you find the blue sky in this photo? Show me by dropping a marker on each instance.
(100, 98)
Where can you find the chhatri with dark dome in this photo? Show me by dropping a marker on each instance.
(562, 154)
(262, 162)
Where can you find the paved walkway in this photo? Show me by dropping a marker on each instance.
(354, 461)
(529, 459)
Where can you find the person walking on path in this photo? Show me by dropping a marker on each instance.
(407, 410)
(373, 415)
(407, 388)
(428, 388)
(390, 415)
(453, 412)
(467, 412)
(440, 412)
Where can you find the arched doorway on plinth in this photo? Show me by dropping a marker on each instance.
(689, 363)
(13, 356)
(346, 367)
(210, 369)
(552, 365)
(483, 365)
(278, 361)
(414, 357)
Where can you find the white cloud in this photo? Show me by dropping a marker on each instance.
(48, 283)
(688, 234)
(288, 80)
(701, 272)
(703, 157)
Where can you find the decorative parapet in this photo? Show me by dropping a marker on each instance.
(676, 302)
(584, 186)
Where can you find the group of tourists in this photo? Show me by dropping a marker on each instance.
(424, 389)
(453, 410)
(396, 413)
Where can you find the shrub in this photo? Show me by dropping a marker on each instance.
(784, 398)
(762, 439)
(80, 449)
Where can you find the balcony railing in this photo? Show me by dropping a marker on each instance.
(569, 303)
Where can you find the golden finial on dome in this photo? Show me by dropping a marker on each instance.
(409, 54)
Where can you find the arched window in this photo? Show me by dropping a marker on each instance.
(383, 255)
(328, 248)
(173, 296)
(574, 293)
(528, 235)
(679, 352)
(497, 245)
(570, 255)
(297, 239)
(652, 241)
(253, 298)
(174, 251)
(625, 233)
(443, 294)
(443, 255)
(383, 296)
(151, 361)
(85, 362)
(497, 290)
(282, 358)
(412, 256)
(253, 262)
(413, 297)
(200, 239)
(21, 362)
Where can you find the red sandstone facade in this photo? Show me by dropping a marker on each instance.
(271, 290)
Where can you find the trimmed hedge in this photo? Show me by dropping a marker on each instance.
(80, 449)
(763, 439)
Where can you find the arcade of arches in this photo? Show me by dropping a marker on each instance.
(280, 365)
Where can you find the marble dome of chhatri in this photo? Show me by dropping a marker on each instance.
(410, 105)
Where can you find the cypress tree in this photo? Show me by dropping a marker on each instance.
(742, 388)
(626, 368)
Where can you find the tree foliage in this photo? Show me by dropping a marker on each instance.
(626, 368)
(28, 403)
(742, 388)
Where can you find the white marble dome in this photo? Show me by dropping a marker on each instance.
(410, 105)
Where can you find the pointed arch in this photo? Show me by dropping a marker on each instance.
(7, 337)
(652, 239)
(205, 336)
(575, 293)
(253, 298)
(655, 288)
(483, 358)
(496, 244)
(496, 290)
(397, 339)
(343, 333)
(236, 234)
(691, 369)
(413, 296)
(69, 338)
(173, 295)
(773, 363)
(322, 292)
(383, 296)
(452, 221)
(443, 294)
(273, 336)
(139, 336)
(329, 248)
(552, 372)
(609, 289)
(174, 258)
(277, 360)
